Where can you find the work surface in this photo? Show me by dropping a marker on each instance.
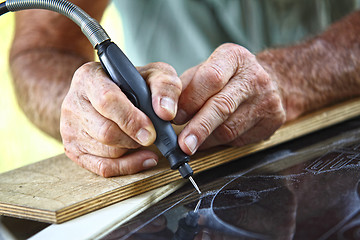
(56, 190)
(305, 189)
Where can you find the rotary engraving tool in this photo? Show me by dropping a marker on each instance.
(121, 71)
(125, 75)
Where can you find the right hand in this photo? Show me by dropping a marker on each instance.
(228, 100)
(99, 124)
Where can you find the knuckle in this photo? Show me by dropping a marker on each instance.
(255, 80)
(105, 168)
(227, 132)
(214, 76)
(262, 79)
(78, 73)
(165, 67)
(243, 53)
(176, 84)
(84, 69)
(107, 132)
(273, 106)
(155, 68)
(129, 123)
(228, 45)
(205, 127)
(87, 74)
(72, 151)
(69, 153)
(224, 105)
(233, 48)
(238, 53)
(106, 98)
(114, 152)
(164, 79)
(81, 149)
(168, 83)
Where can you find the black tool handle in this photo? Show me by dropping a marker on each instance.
(128, 79)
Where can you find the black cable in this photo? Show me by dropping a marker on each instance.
(3, 8)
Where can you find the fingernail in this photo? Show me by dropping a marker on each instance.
(168, 104)
(191, 142)
(149, 163)
(143, 136)
(181, 116)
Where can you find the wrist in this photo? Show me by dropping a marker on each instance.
(292, 97)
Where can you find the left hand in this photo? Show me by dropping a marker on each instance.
(99, 124)
(229, 100)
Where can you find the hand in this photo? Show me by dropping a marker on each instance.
(99, 124)
(229, 99)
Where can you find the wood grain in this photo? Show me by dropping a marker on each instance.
(56, 189)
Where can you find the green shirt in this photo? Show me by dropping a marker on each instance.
(184, 33)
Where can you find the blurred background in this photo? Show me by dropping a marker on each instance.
(21, 143)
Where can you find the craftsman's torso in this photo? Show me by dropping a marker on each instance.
(183, 33)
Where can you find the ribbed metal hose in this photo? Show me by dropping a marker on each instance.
(89, 26)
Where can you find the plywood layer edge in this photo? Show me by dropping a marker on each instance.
(56, 189)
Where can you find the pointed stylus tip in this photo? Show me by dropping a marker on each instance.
(195, 185)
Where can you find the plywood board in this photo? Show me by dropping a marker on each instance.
(56, 190)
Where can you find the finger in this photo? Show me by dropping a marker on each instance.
(181, 116)
(243, 105)
(93, 125)
(125, 165)
(237, 124)
(214, 113)
(77, 142)
(165, 88)
(102, 159)
(84, 144)
(113, 104)
(261, 131)
(188, 75)
(107, 132)
(209, 79)
(247, 126)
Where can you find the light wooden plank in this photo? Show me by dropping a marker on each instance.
(57, 190)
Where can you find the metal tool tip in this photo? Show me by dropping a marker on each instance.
(194, 184)
(197, 205)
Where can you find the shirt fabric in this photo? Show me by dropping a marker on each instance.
(184, 33)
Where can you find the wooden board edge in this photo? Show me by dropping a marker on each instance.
(201, 162)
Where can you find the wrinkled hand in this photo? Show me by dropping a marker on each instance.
(229, 99)
(99, 124)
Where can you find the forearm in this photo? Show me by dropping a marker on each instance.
(41, 79)
(320, 71)
(46, 51)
